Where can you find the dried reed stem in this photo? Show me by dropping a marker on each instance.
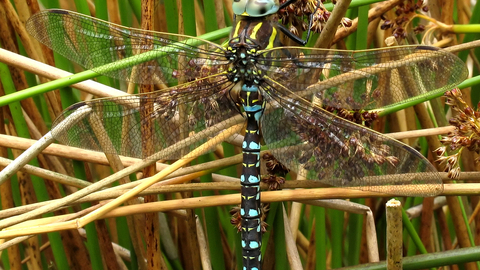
(394, 235)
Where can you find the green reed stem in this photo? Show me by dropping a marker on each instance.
(337, 220)
(431, 95)
(278, 225)
(320, 238)
(354, 4)
(413, 234)
(430, 260)
(89, 74)
(354, 236)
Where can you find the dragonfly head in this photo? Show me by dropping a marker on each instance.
(255, 8)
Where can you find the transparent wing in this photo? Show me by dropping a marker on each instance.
(321, 146)
(183, 117)
(100, 45)
(363, 79)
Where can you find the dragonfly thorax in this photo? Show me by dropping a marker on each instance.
(243, 66)
(249, 38)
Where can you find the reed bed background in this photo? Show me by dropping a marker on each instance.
(164, 229)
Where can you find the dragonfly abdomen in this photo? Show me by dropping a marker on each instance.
(250, 36)
(253, 106)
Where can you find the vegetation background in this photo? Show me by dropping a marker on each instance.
(174, 232)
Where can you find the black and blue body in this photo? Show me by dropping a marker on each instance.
(250, 34)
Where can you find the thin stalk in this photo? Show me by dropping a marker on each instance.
(442, 258)
(38, 185)
(108, 207)
(211, 222)
(217, 200)
(354, 4)
(413, 233)
(290, 242)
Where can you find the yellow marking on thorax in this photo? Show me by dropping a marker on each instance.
(237, 28)
(272, 38)
(255, 31)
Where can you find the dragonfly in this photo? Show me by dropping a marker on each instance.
(279, 92)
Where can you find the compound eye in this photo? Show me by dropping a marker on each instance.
(239, 6)
(258, 8)
(255, 8)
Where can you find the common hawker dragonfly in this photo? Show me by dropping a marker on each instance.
(278, 90)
